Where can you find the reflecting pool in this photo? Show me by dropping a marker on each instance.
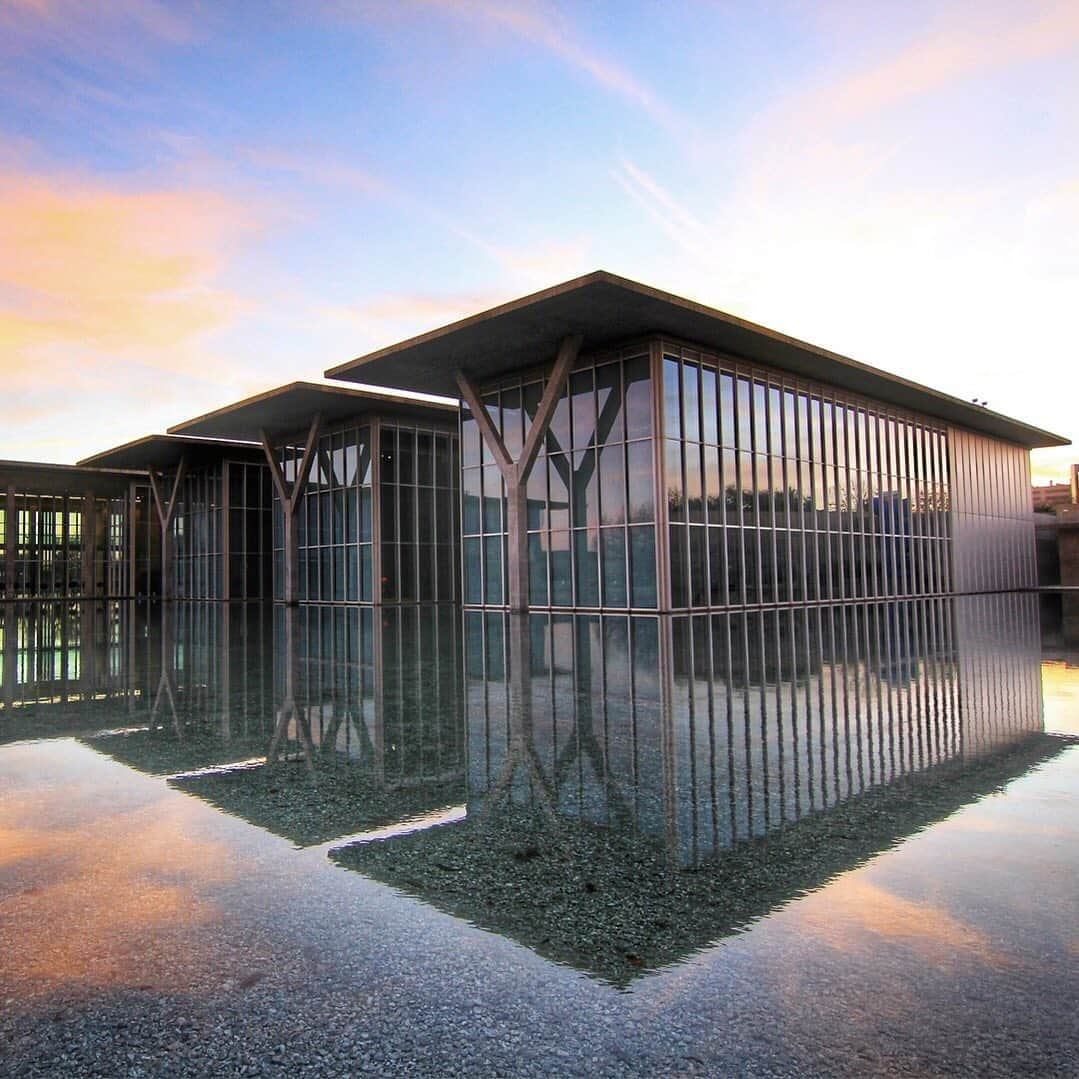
(830, 839)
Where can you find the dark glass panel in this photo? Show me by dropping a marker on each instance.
(694, 494)
(387, 461)
(673, 482)
(561, 570)
(717, 567)
(473, 571)
(672, 398)
(586, 542)
(365, 514)
(406, 457)
(609, 407)
(441, 451)
(470, 497)
(638, 398)
(613, 484)
(760, 417)
(492, 566)
(709, 405)
(388, 515)
(531, 396)
(679, 566)
(614, 567)
(698, 566)
(726, 409)
(642, 541)
(712, 484)
(537, 569)
(425, 514)
(641, 481)
(425, 471)
(582, 394)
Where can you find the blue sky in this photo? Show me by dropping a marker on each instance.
(199, 201)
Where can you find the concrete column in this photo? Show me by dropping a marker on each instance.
(291, 500)
(166, 513)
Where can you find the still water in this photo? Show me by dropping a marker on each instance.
(826, 840)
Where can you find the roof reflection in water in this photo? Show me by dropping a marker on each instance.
(769, 751)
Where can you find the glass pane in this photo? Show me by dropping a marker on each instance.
(709, 406)
(672, 398)
(587, 565)
(643, 566)
(511, 421)
(470, 499)
(537, 569)
(584, 408)
(492, 567)
(473, 573)
(691, 405)
(613, 484)
(638, 398)
(425, 472)
(609, 421)
(614, 567)
(641, 483)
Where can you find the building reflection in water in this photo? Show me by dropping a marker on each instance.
(766, 751)
(367, 725)
(585, 763)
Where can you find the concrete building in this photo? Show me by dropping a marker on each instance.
(69, 533)
(212, 513)
(365, 491)
(626, 449)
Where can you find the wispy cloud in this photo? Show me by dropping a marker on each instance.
(996, 39)
(84, 262)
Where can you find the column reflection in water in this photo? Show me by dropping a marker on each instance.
(366, 728)
(206, 674)
(702, 731)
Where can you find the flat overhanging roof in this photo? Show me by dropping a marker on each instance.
(39, 477)
(288, 410)
(606, 309)
(162, 453)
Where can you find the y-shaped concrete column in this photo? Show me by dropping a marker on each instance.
(166, 512)
(290, 502)
(515, 473)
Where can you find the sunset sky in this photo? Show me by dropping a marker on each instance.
(200, 201)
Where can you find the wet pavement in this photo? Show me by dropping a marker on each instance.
(244, 841)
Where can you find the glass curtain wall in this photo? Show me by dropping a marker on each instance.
(376, 528)
(334, 520)
(783, 491)
(418, 514)
(50, 533)
(994, 537)
(197, 535)
(250, 500)
(591, 493)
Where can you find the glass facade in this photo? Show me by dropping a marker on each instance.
(63, 545)
(780, 491)
(376, 527)
(221, 532)
(591, 493)
(993, 538)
